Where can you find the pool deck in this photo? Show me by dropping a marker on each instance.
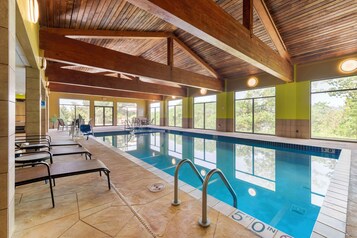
(85, 206)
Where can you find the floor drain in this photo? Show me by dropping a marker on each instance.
(156, 187)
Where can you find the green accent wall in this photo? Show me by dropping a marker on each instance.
(225, 105)
(293, 101)
(187, 107)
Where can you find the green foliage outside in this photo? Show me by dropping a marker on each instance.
(258, 104)
(334, 113)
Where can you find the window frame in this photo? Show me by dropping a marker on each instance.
(126, 111)
(328, 91)
(204, 113)
(104, 107)
(155, 109)
(253, 107)
(73, 105)
(175, 112)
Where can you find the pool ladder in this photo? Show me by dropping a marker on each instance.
(204, 221)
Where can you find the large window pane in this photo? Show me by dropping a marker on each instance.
(70, 109)
(210, 116)
(198, 115)
(334, 115)
(264, 115)
(108, 116)
(171, 116)
(157, 116)
(99, 114)
(178, 113)
(255, 111)
(155, 113)
(244, 115)
(126, 112)
(205, 112)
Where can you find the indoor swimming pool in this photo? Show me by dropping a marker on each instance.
(282, 185)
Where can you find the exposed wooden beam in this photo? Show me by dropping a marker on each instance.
(195, 57)
(170, 52)
(56, 87)
(61, 49)
(270, 28)
(248, 15)
(209, 22)
(73, 77)
(108, 34)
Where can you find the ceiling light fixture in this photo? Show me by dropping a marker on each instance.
(33, 11)
(252, 192)
(252, 82)
(203, 91)
(173, 97)
(348, 66)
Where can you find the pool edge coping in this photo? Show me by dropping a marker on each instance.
(324, 225)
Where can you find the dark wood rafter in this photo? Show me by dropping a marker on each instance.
(85, 54)
(209, 22)
(170, 52)
(108, 34)
(270, 27)
(63, 88)
(248, 15)
(195, 57)
(72, 77)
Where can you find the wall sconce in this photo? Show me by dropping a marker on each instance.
(43, 63)
(252, 82)
(33, 11)
(203, 91)
(348, 66)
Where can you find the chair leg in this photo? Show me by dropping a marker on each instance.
(107, 173)
(100, 173)
(52, 197)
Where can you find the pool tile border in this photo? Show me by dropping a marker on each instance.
(333, 213)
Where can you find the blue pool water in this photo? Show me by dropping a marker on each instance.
(281, 185)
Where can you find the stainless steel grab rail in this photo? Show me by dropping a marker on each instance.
(204, 221)
(176, 201)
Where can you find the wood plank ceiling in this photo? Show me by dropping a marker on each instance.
(311, 30)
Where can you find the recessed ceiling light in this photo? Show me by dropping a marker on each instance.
(252, 82)
(348, 66)
(173, 161)
(203, 172)
(203, 91)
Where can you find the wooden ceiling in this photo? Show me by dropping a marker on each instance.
(311, 30)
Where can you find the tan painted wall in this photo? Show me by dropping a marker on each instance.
(55, 96)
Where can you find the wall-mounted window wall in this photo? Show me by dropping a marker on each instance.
(334, 109)
(70, 109)
(103, 113)
(204, 114)
(255, 111)
(155, 113)
(175, 113)
(126, 112)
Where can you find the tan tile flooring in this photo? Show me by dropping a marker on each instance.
(86, 208)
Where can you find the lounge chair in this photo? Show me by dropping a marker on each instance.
(45, 139)
(58, 170)
(33, 157)
(59, 151)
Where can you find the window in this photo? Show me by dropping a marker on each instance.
(175, 113)
(70, 109)
(103, 113)
(126, 112)
(334, 109)
(205, 112)
(155, 113)
(255, 111)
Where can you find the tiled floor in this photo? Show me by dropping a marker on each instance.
(86, 208)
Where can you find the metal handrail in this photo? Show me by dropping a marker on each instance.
(204, 221)
(176, 201)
